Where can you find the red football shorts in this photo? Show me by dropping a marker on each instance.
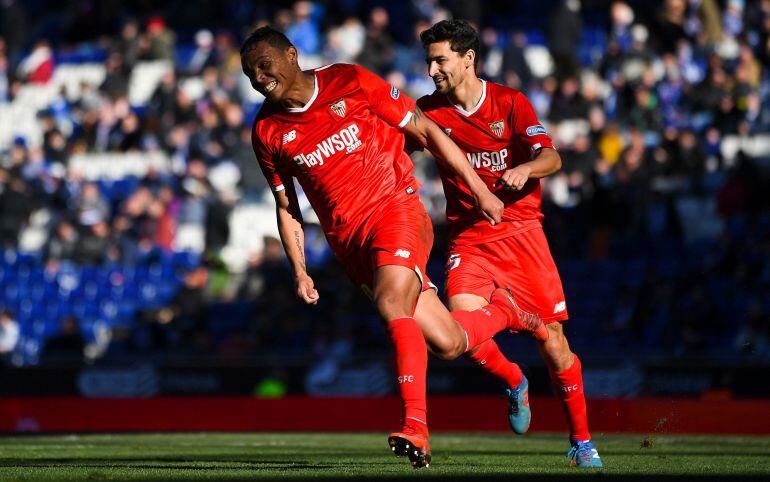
(400, 233)
(521, 262)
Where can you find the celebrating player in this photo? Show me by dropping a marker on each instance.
(498, 131)
(338, 131)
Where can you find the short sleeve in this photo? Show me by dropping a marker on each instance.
(390, 104)
(266, 160)
(526, 127)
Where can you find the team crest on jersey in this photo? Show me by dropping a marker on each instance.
(497, 127)
(394, 92)
(339, 107)
(448, 132)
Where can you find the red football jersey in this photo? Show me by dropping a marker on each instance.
(501, 132)
(345, 147)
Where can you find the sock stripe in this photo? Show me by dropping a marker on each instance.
(421, 421)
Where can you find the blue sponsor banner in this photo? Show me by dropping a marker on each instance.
(535, 130)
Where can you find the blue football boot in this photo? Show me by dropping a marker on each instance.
(583, 454)
(519, 413)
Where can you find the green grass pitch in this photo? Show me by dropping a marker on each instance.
(249, 456)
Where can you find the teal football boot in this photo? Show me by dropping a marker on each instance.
(519, 413)
(584, 454)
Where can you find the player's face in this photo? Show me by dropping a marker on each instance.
(271, 70)
(445, 66)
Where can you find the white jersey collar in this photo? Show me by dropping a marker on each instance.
(310, 102)
(468, 113)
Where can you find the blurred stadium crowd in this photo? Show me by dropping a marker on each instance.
(134, 220)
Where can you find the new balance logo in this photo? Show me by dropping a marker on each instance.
(448, 132)
(559, 307)
(402, 253)
(453, 262)
(289, 136)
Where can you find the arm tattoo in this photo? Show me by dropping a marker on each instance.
(417, 115)
(301, 249)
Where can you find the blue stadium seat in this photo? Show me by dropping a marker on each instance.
(536, 37)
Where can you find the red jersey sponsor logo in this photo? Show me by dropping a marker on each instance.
(495, 161)
(346, 139)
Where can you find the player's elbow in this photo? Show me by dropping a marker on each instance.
(418, 140)
(556, 163)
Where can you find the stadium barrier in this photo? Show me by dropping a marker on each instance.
(447, 413)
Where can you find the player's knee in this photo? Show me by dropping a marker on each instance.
(391, 304)
(557, 346)
(448, 347)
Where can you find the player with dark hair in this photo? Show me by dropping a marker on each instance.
(339, 131)
(498, 131)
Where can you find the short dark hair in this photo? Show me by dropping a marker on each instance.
(273, 37)
(460, 34)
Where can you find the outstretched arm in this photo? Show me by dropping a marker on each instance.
(293, 239)
(430, 136)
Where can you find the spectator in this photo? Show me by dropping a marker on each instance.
(303, 31)
(160, 40)
(67, 345)
(565, 28)
(346, 41)
(91, 207)
(63, 244)
(15, 209)
(14, 29)
(671, 26)
(204, 55)
(568, 103)
(9, 334)
(93, 243)
(127, 46)
(377, 52)
(115, 82)
(516, 72)
(37, 67)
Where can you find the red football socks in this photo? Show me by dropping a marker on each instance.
(489, 357)
(411, 364)
(482, 324)
(569, 388)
